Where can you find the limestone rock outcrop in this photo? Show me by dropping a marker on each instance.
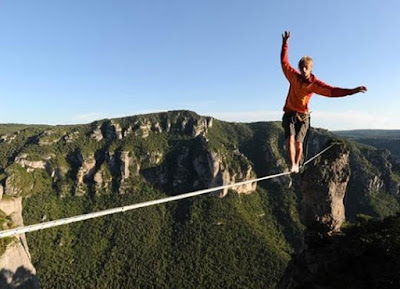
(8, 138)
(30, 165)
(16, 268)
(323, 187)
(214, 170)
(97, 134)
(85, 172)
(130, 167)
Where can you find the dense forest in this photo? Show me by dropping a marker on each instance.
(241, 240)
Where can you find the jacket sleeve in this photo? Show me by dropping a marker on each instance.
(287, 69)
(324, 89)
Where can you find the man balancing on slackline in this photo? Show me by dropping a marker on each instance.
(303, 84)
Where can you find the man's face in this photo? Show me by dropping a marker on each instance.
(306, 69)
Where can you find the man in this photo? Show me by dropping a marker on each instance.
(303, 84)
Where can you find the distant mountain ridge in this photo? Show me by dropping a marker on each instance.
(369, 133)
(380, 139)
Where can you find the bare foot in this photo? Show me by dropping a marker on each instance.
(295, 169)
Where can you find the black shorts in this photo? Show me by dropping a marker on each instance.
(296, 124)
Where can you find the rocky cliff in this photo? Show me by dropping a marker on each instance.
(104, 155)
(323, 187)
(362, 256)
(17, 270)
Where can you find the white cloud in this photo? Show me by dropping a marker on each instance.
(89, 117)
(353, 119)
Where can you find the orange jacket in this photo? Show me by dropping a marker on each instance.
(300, 90)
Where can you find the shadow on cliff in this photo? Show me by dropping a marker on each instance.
(21, 279)
(365, 255)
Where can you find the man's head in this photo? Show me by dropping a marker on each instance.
(306, 66)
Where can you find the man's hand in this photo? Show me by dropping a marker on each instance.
(285, 36)
(360, 89)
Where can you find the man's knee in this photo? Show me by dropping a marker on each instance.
(291, 138)
(291, 141)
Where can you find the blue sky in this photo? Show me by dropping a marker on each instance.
(67, 62)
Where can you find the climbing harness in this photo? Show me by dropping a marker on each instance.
(302, 117)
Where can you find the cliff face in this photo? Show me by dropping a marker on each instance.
(362, 256)
(103, 156)
(374, 183)
(323, 187)
(17, 270)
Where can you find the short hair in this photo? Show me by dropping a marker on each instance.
(304, 60)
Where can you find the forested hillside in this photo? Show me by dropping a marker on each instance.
(237, 239)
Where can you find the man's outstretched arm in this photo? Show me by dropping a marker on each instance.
(287, 69)
(324, 89)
